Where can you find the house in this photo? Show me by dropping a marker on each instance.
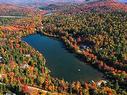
(79, 51)
(27, 55)
(99, 83)
(10, 94)
(1, 76)
(24, 66)
(1, 59)
(82, 47)
(87, 44)
(92, 81)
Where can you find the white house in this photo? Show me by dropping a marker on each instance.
(1, 59)
(99, 83)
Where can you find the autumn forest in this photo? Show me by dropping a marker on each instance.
(96, 32)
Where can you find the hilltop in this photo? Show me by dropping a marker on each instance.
(97, 5)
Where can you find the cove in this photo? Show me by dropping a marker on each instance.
(62, 63)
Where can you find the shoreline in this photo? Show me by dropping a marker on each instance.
(76, 55)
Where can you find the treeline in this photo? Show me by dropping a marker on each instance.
(99, 38)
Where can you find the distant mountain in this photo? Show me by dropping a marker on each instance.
(47, 2)
(17, 1)
(37, 1)
(43, 1)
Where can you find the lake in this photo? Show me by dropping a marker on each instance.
(62, 63)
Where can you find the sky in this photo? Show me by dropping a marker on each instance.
(45, 1)
(123, 1)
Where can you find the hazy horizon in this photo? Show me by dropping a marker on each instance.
(46, 1)
(34, 1)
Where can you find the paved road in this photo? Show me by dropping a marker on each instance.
(35, 88)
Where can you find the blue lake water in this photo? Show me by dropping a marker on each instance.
(60, 61)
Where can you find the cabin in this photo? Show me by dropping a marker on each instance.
(1, 76)
(1, 59)
(79, 51)
(24, 66)
(87, 44)
(10, 93)
(99, 83)
(27, 55)
(92, 81)
(82, 47)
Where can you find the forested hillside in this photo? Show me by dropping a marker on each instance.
(96, 32)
